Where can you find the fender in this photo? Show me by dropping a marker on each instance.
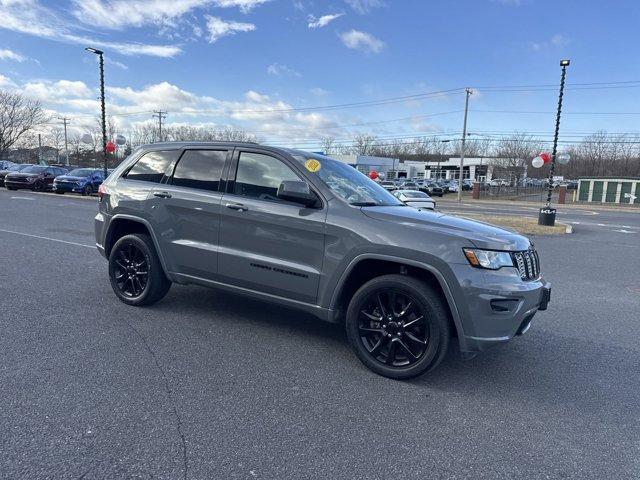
(436, 273)
(123, 216)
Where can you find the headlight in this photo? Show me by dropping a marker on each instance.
(490, 259)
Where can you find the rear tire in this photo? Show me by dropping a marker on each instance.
(415, 319)
(135, 271)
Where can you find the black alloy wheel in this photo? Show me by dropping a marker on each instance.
(87, 191)
(136, 273)
(131, 272)
(398, 326)
(393, 328)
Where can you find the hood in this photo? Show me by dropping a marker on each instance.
(482, 235)
(69, 178)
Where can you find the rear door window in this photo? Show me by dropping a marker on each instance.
(152, 166)
(201, 169)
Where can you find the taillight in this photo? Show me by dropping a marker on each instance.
(101, 192)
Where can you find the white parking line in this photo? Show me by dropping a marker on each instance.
(47, 238)
(21, 198)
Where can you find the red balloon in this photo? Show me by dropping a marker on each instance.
(373, 175)
(111, 147)
(546, 158)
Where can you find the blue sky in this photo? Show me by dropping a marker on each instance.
(226, 62)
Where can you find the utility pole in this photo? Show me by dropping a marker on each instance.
(100, 54)
(66, 148)
(464, 139)
(161, 116)
(39, 149)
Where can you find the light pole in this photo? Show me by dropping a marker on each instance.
(547, 214)
(100, 54)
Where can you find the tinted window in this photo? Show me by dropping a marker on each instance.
(259, 176)
(200, 169)
(151, 166)
(81, 172)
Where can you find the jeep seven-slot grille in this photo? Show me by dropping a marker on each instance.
(528, 264)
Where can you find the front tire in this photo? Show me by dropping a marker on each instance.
(135, 271)
(398, 326)
(87, 191)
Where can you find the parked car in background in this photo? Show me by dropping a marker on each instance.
(80, 180)
(431, 188)
(453, 186)
(388, 185)
(415, 199)
(467, 184)
(409, 185)
(6, 164)
(16, 167)
(33, 177)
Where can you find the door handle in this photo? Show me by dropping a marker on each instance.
(237, 206)
(162, 194)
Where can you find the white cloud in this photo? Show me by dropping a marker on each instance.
(245, 6)
(319, 92)
(6, 82)
(556, 40)
(6, 54)
(357, 40)
(218, 28)
(31, 18)
(364, 6)
(278, 69)
(118, 14)
(323, 21)
(48, 91)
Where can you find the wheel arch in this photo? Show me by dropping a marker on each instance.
(121, 225)
(368, 266)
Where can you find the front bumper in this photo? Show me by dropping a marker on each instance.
(67, 187)
(499, 305)
(18, 185)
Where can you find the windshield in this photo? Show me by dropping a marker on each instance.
(34, 169)
(347, 182)
(80, 172)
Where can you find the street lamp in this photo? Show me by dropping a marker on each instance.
(100, 54)
(547, 214)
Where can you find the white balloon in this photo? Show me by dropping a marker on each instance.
(120, 140)
(537, 162)
(564, 158)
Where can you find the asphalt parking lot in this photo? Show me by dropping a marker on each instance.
(208, 385)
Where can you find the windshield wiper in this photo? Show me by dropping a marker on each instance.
(364, 204)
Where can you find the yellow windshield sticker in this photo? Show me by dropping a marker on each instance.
(312, 165)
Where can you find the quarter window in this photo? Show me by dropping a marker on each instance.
(200, 169)
(152, 165)
(259, 176)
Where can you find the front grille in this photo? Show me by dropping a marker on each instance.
(528, 264)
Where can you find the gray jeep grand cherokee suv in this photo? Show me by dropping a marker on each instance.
(313, 233)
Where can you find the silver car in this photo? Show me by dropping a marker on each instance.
(312, 233)
(415, 199)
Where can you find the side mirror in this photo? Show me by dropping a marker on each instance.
(297, 192)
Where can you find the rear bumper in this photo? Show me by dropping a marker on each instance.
(499, 306)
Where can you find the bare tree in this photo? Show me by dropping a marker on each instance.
(18, 115)
(363, 144)
(512, 154)
(328, 145)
